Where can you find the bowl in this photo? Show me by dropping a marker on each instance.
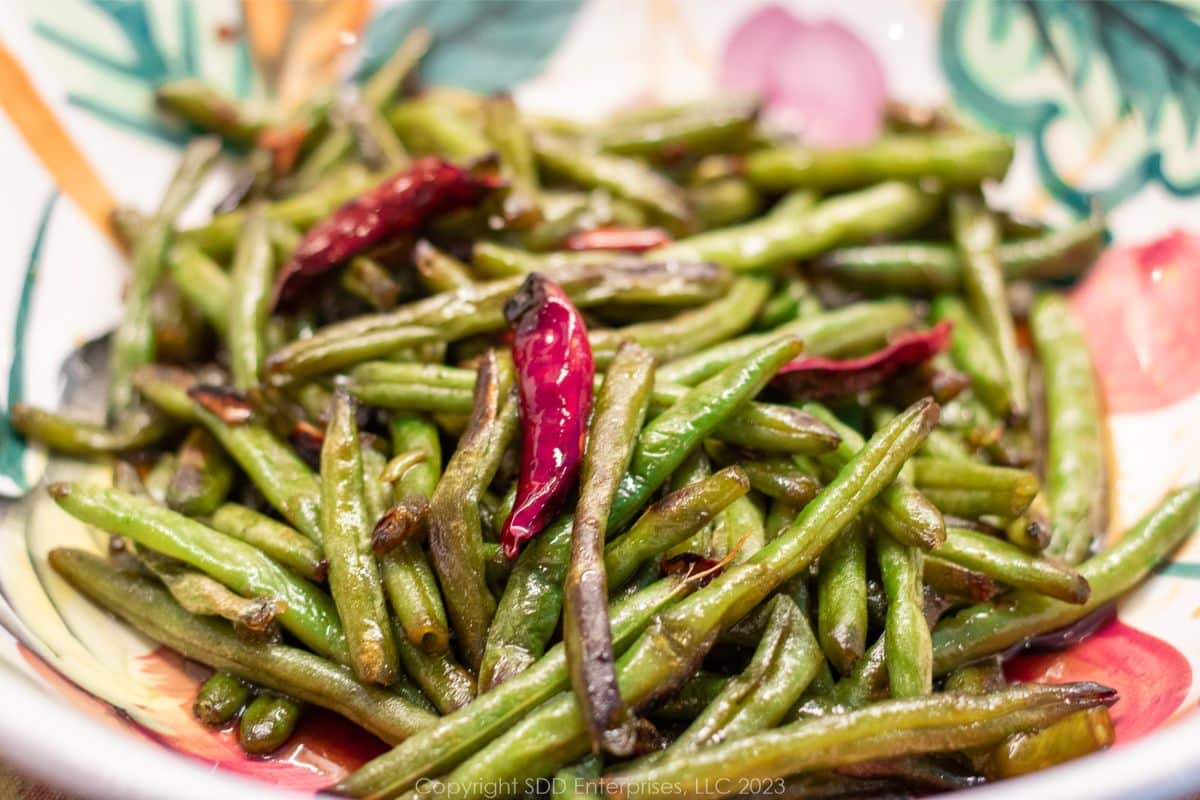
(1103, 116)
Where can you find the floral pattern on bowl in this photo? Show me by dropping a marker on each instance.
(75, 83)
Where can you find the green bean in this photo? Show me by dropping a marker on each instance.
(866, 682)
(309, 613)
(691, 699)
(903, 511)
(332, 151)
(274, 468)
(479, 309)
(439, 675)
(278, 667)
(784, 664)
(529, 608)
(376, 139)
(315, 356)
(203, 283)
(578, 781)
(781, 480)
(204, 107)
(1010, 564)
(200, 594)
(737, 532)
(1075, 448)
(845, 331)
(909, 652)
(157, 479)
(504, 130)
(980, 630)
(1031, 531)
(252, 274)
(886, 730)
(982, 677)
(968, 489)
(976, 503)
(794, 300)
(202, 477)
(437, 388)
(554, 734)
(918, 268)
(497, 261)
(977, 236)
(267, 723)
(282, 543)
(694, 129)
(133, 342)
(779, 515)
(282, 477)
(135, 430)
(369, 281)
(385, 82)
(670, 521)
(688, 331)
(724, 202)
(438, 271)
(622, 176)
(455, 535)
(695, 468)
(429, 127)
(618, 415)
(954, 159)
(220, 699)
(179, 331)
(408, 578)
(354, 579)
(1078, 735)
(217, 238)
(888, 208)
(842, 599)
(459, 734)
(974, 354)
(959, 582)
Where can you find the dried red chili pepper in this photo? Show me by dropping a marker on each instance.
(814, 377)
(692, 565)
(629, 240)
(308, 440)
(403, 202)
(398, 524)
(554, 379)
(224, 402)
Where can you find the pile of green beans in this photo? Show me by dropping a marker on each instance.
(805, 596)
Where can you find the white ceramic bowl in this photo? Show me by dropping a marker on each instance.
(1102, 115)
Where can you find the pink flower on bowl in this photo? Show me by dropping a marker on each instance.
(816, 78)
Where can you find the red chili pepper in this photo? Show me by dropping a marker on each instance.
(403, 202)
(814, 377)
(629, 240)
(224, 402)
(689, 564)
(554, 379)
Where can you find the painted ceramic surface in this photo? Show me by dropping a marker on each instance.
(1103, 97)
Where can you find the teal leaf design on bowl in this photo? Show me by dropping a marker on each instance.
(14, 468)
(481, 46)
(111, 54)
(1107, 91)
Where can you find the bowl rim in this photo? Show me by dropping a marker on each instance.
(36, 724)
(40, 736)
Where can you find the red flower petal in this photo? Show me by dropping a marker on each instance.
(1152, 676)
(1140, 308)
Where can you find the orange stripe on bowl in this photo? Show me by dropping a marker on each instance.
(45, 135)
(297, 47)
